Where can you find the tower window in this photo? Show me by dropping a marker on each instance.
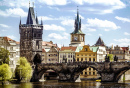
(37, 44)
(85, 49)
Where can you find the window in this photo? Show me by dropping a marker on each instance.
(37, 44)
(93, 73)
(89, 54)
(85, 59)
(68, 55)
(81, 59)
(89, 69)
(82, 73)
(89, 59)
(77, 59)
(85, 73)
(89, 73)
(85, 49)
(11, 48)
(78, 55)
(93, 59)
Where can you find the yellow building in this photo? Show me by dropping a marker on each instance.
(87, 54)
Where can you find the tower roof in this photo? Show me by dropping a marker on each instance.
(31, 16)
(77, 25)
(99, 42)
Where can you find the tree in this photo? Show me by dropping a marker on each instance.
(5, 72)
(4, 56)
(24, 70)
(110, 57)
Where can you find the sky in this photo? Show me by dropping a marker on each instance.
(109, 19)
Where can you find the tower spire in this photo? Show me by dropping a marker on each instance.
(41, 21)
(36, 18)
(29, 3)
(20, 21)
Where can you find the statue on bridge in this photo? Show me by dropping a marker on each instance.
(107, 59)
(115, 58)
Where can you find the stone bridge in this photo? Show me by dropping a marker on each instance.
(109, 71)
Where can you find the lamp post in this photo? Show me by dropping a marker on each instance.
(20, 72)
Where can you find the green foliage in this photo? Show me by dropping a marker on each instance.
(110, 57)
(5, 72)
(24, 70)
(4, 56)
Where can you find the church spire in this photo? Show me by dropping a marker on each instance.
(20, 21)
(41, 21)
(36, 18)
(31, 16)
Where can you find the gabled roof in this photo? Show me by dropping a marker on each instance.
(68, 48)
(48, 44)
(99, 42)
(125, 48)
(31, 16)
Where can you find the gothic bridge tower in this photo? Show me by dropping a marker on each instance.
(77, 36)
(31, 38)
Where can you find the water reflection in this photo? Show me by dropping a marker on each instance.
(56, 84)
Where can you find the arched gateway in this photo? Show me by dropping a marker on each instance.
(109, 71)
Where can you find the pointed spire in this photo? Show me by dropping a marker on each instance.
(20, 21)
(31, 16)
(77, 13)
(36, 18)
(29, 3)
(41, 21)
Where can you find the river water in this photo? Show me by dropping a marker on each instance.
(56, 84)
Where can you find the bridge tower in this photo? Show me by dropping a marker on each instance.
(31, 38)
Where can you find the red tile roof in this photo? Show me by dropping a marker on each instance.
(48, 43)
(43, 50)
(8, 39)
(68, 48)
(124, 48)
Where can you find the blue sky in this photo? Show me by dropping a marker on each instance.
(109, 19)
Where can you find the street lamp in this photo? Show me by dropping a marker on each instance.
(20, 72)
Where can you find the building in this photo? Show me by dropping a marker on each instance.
(68, 53)
(101, 53)
(77, 36)
(13, 47)
(47, 45)
(31, 38)
(87, 54)
(50, 55)
(121, 52)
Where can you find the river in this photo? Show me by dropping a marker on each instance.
(56, 84)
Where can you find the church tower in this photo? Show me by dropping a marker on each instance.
(31, 38)
(77, 36)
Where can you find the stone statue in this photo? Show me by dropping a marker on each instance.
(107, 59)
(115, 58)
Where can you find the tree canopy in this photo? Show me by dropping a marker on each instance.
(4, 56)
(110, 57)
(5, 72)
(24, 70)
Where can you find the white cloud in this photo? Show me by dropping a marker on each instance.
(101, 24)
(12, 37)
(15, 12)
(57, 36)
(53, 27)
(125, 40)
(122, 19)
(100, 34)
(4, 25)
(53, 2)
(126, 33)
(67, 22)
(45, 18)
(88, 34)
(16, 3)
(120, 44)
